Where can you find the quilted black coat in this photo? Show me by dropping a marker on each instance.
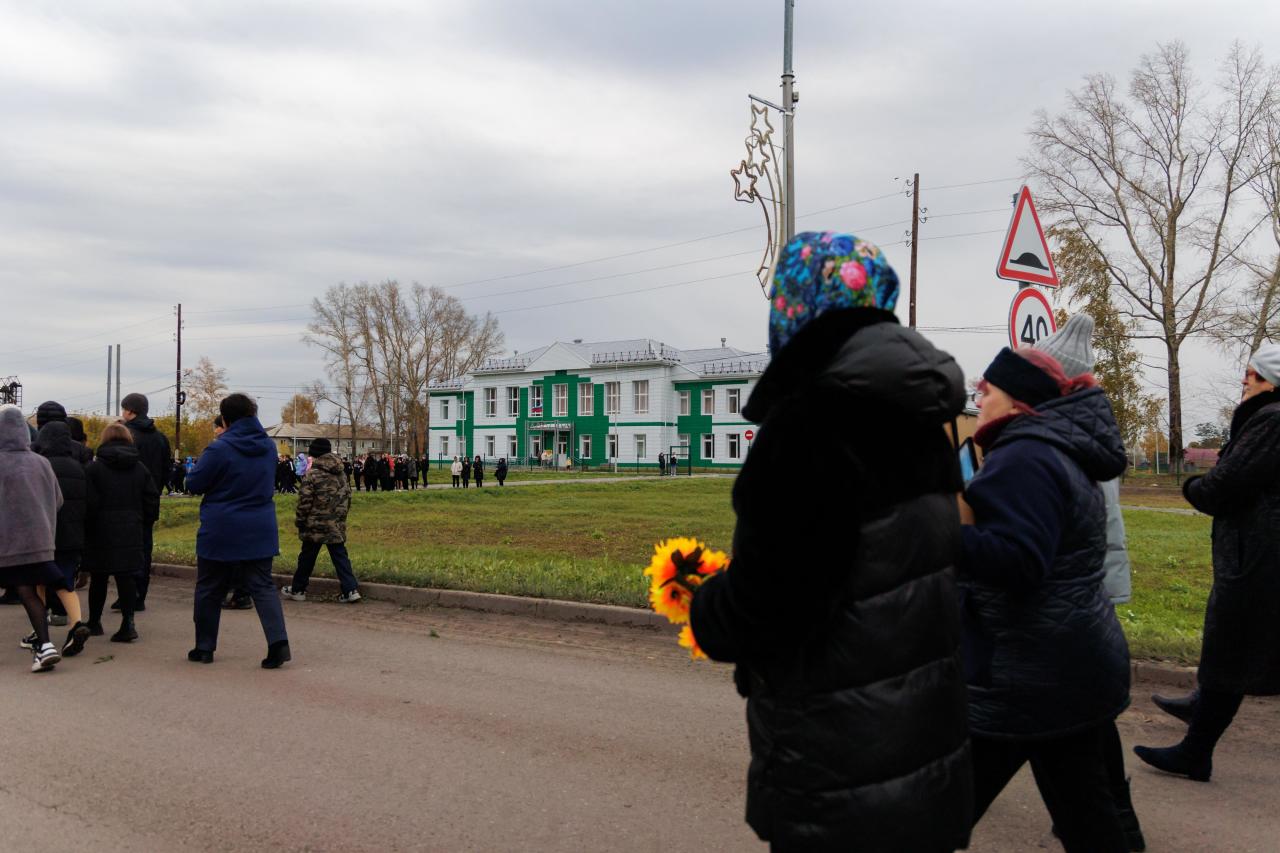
(840, 607)
(121, 498)
(1044, 653)
(54, 443)
(1241, 652)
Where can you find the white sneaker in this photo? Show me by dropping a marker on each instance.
(349, 597)
(287, 592)
(45, 657)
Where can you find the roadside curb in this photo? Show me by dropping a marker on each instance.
(485, 602)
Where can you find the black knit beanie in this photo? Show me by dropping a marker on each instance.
(50, 411)
(319, 447)
(136, 403)
(1020, 379)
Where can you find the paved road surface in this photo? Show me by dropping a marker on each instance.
(500, 733)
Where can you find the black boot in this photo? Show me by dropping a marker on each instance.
(277, 654)
(1178, 760)
(1182, 707)
(200, 656)
(127, 633)
(1128, 818)
(95, 628)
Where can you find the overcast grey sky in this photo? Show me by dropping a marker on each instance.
(240, 157)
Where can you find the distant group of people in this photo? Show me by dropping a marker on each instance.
(374, 471)
(463, 470)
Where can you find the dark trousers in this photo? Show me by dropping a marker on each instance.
(126, 585)
(456, 480)
(307, 563)
(1212, 715)
(144, 576)
(68, 562)
(214, 577)
(1071, 774)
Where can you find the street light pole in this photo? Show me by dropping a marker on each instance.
(789, 98)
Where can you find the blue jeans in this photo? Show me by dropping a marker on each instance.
(307, 563)
(214, 577)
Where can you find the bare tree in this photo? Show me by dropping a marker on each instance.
(206, 388)
(335, 329)
(1153, 183)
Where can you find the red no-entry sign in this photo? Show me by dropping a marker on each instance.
(750, 434)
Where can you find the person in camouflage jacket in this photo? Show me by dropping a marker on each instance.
(321, 518)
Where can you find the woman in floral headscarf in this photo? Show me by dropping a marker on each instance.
(839, 608)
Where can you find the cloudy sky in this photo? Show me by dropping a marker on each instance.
(543, 160)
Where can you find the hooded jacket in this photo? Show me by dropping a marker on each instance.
(323, 502)
(1045, 655)
(236, 476)
(55, 444)
(29, 495)
(153, 448)
(121, 498)
(52, 412)
(839, 606)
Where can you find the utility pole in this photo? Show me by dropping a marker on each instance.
(915, 241)
(118, 377)
(178, 395)
(789, 99)
(107, 410)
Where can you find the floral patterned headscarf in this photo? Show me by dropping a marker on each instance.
(824, 271)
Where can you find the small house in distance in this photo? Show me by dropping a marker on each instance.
(294, 438)
(1199, 458)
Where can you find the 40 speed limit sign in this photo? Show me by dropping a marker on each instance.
(1030, 318)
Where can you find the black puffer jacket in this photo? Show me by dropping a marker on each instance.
(1045, 655)
(54, 443)
(1241, 652)
(840, 606)
(121, 498)
(152, 447)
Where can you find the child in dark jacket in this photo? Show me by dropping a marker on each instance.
(121, 499)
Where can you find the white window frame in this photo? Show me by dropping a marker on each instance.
(462, 408)
(560, 400)
(734, 445)
(586, 399)
(682, 440)
(708, 444)
(613, 445)
(640, 396)
(491, 402)
(733, 400)
(513, 401)
(535, 392)
(585, 446)
(444, 446)
(535, 445)
(684, 402)
(490, 446)
(641, 443)
(613, 398)
(708, 394)
(513, 448)
(444, 408)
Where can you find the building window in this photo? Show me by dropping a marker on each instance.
(640, 396)
(444, 408)
(642, 446)
(535, 401)
(733, 400)
(612, 398)
(735, 445)
(490, 446)
(444, 445)
(586, 399)
(559, 401)
(613, 445)
(462, 408)
(511, 446)
(708, 446)
(513, 402)
(586, 447)
(684, 397)
(709, 401)
(491, 402)
(683, 441)
(535, 445)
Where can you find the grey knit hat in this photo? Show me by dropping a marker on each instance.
(1072, 345)
(1266, 361)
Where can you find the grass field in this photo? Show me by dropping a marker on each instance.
(589, 541)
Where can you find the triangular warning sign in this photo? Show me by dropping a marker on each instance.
(1026, 255)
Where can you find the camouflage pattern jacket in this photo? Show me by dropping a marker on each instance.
(323, 502)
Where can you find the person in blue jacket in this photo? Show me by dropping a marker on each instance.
(238, 532)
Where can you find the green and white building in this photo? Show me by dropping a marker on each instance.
(600, 403)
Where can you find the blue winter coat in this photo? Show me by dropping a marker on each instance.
(237, 475)
(1044, 653)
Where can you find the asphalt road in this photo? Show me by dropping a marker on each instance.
(449, 730)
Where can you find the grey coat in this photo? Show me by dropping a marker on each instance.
(1117, 582)
(29, 494)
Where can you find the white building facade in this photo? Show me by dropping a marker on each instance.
(598, 404)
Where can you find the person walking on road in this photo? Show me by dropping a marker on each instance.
(500, 471)
(1240, 655)
(466, 472)
(238, 535)
(477, 471)
(31, 498)
(53, 412)
(122, 500)
(155, 456)
(455, 469)
(55, 444)
(854, 686)
(321, 519)
(1046, 660)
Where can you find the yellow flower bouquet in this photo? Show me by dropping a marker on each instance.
(679, 566)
